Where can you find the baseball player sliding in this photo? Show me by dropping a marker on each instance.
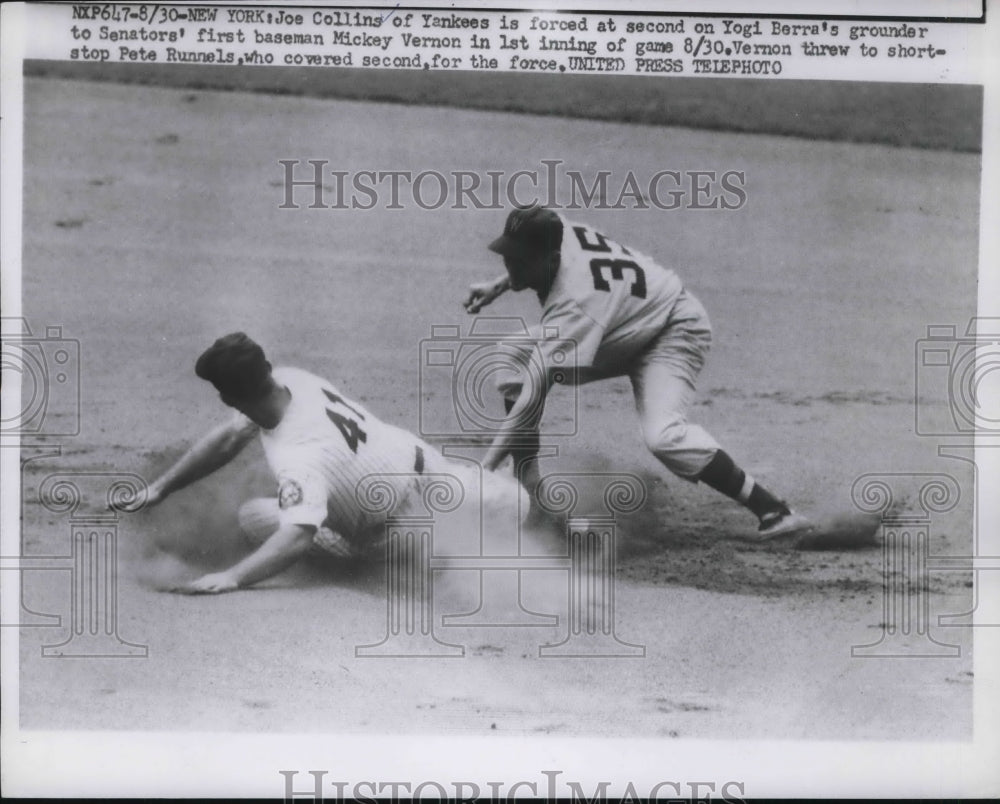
(320, 446)
(629, 316)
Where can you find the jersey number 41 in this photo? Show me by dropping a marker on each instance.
(349, 428)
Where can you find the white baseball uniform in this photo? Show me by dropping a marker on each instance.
(628, 315)
(323, 448)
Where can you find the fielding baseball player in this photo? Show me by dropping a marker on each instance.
(320, 445)
(629, 316)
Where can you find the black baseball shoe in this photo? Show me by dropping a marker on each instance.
(782, 522)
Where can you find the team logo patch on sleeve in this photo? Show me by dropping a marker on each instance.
(289, 494)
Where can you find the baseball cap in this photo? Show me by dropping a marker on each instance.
(529, 230)
(235, 365)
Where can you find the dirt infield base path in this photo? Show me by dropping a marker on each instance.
(152, 227)
(283, 660)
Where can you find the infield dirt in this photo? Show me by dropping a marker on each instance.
(151, 227)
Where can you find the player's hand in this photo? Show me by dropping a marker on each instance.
(154, 495)
(480, 295)
(212, 584)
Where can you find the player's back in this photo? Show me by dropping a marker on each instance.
(325, 434)
(625, 292)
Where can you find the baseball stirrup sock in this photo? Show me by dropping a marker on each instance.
(723, 475)
(762, 502)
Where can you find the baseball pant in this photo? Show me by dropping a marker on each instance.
(663, 375)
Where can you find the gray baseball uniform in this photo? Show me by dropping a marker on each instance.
(628, 315)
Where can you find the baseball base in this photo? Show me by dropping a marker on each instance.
(852, 531)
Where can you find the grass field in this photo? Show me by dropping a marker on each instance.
(918, 115)
(151, 227)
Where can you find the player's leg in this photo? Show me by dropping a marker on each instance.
(330, 542)
(260, 517)
(662, 399)
(663, 380)
(510, 383)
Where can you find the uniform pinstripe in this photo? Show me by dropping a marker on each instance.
(324, 446)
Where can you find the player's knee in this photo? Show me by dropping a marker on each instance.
(669, 441)
(258, 519)
(681, 447)
(328, 542)
(665, 436)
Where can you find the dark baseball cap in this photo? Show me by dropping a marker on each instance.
(529, 230)
(235, 365)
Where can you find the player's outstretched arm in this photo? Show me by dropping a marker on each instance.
(213, 451)
(279, 552)
(484, 293)
(522, 419)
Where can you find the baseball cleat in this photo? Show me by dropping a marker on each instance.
(784, 522)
